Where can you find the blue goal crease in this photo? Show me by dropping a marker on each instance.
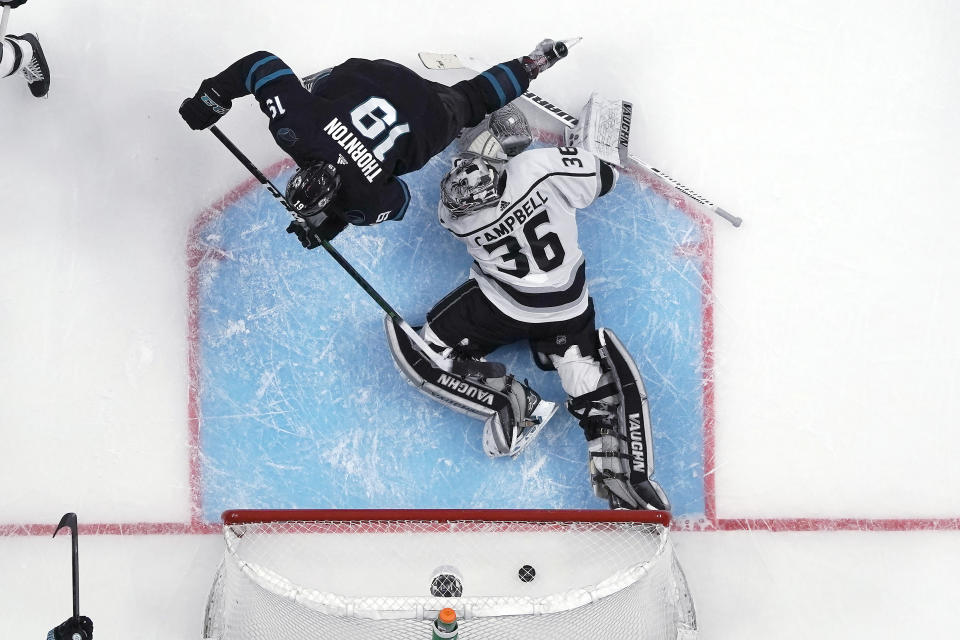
(302, 407)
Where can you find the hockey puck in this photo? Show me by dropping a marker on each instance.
(527, 573)
(446, 583)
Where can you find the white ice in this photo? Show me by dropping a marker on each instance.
(831, 128)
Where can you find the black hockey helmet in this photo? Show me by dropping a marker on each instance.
(312, 188)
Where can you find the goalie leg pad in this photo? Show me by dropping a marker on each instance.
(454, 390)
(610, 468)
(615, 418)
(633, 411)
(512, 412)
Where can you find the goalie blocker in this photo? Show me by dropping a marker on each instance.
(512, 413)
(603, 129)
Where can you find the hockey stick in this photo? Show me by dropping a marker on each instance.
(70, 520)
(570, 121)
(3, 20)
(451, 61)
(413, 335)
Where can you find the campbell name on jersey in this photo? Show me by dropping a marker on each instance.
(527, 259)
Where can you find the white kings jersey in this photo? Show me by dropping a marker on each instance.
(526, 257)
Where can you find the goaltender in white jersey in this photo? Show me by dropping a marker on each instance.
(527, 260)
(528, 282)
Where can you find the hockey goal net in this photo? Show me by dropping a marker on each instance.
(509, 574)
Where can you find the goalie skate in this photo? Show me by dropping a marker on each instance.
(532, 426)
(511, 440)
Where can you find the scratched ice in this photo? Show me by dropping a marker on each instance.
(302, 407)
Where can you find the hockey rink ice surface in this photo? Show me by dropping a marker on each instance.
(169, 352)
(292, 376)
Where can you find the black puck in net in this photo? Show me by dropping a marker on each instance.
(527, 573)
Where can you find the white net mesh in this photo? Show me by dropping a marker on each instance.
(371, 579)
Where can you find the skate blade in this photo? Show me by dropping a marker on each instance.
(542, 414)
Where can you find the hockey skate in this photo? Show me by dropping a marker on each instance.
(36, 71)
(505, 436)
(652, 494)
(545, 55)
(536, 419)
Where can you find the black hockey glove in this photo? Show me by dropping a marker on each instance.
(73, 629)
(205, 108)
(13, 4)
(327, 227)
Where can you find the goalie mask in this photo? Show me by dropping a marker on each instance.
(472, 184)
(312, 188)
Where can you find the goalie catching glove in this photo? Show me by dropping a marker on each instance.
(502, 135)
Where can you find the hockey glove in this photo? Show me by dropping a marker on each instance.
(307, 230)
(13, 4)
(73, 629)
(205, 108)
(544, 56)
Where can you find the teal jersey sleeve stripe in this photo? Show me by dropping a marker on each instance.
(272, 76)
(496, 87)
(257, 65)
(513, 79)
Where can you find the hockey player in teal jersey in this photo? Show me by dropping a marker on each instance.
(354, 128)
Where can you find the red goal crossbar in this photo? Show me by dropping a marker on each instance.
(243, 516)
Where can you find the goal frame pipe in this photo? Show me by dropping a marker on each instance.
(247, 516)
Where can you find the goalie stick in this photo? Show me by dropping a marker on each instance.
(404, 326)
(440, 61)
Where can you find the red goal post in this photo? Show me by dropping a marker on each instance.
(386, 573)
